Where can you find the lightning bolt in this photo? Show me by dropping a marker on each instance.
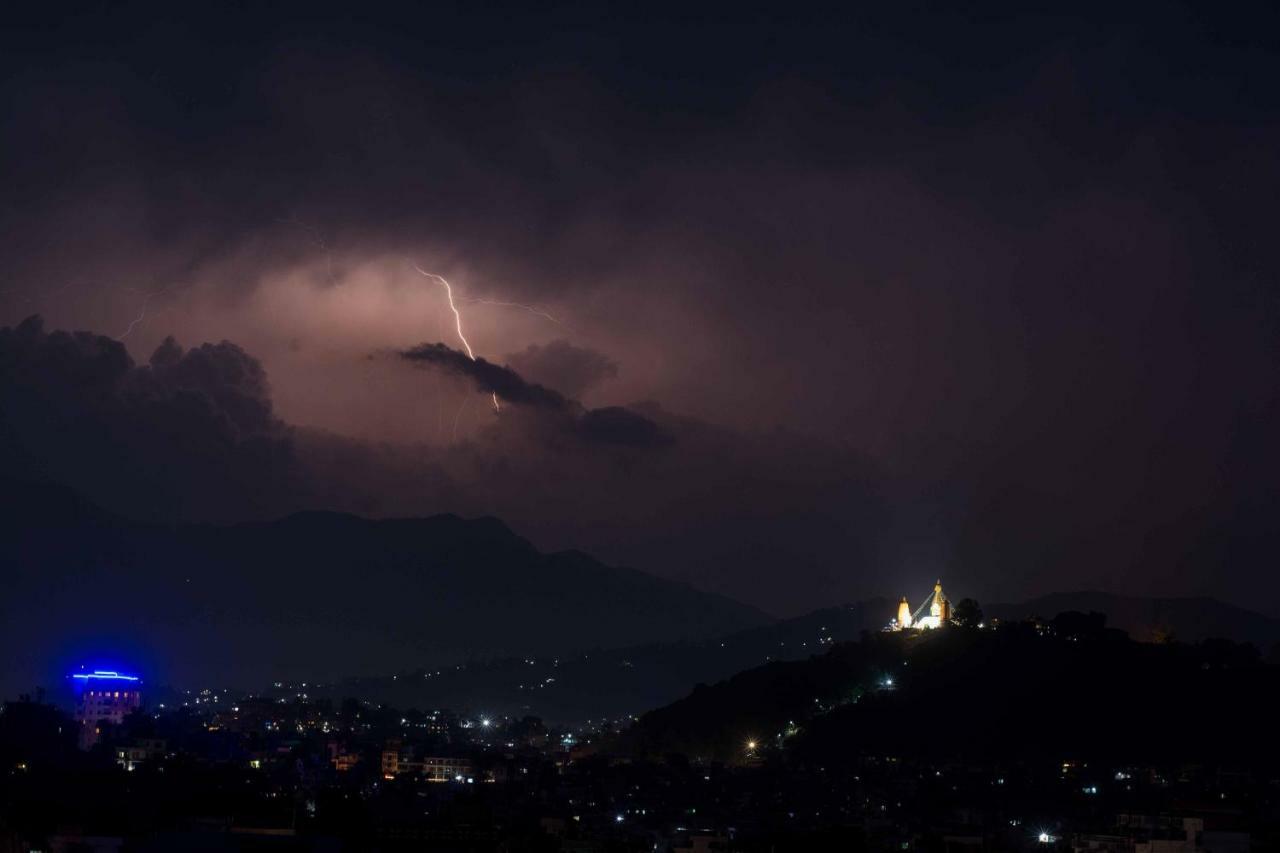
(458, 415)
(142, 315)
(532, 309)
(142, 310)
(457, 315)
(457, 320)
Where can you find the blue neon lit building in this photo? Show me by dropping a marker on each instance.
(103, 696)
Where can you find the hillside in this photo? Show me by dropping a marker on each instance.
(314, 596)
(615, 682)
(1012, 693)
(1189, 619)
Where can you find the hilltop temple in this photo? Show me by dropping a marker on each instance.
(937, 605)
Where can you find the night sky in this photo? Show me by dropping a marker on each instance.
(801, 305)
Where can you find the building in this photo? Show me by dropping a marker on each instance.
(398, 760)
(445, 769)
(138, 752)
(934, 613)
(103, 696)
(1137, 833)
(701, 843)
(394, 759)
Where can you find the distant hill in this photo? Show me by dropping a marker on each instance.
(309, 597)
(1010, 693)
(1189, 619)
(436, 612)
(630, 680)
(615, 682)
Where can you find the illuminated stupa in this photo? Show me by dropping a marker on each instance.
(904, 613)
(934, 613)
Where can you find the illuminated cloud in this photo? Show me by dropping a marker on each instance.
(489, 378)
(563, 365)
(612, 425)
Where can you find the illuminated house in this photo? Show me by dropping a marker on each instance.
(934, 613)
(103, 696)
(139, 752)
(445, 769)
(398, 760)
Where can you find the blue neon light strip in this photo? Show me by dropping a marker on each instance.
(105, 675)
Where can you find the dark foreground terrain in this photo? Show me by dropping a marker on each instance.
(1033, 735)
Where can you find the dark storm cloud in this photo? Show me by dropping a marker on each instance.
(1024, 262)
(560, 364)
(489, 378)
(613, 425)
(617, 425)
(231, 380)
(190, 434)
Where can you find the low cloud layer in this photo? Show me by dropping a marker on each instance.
(489, 378)
(560, 364)
(609, 425)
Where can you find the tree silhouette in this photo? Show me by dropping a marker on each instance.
(967, 613)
